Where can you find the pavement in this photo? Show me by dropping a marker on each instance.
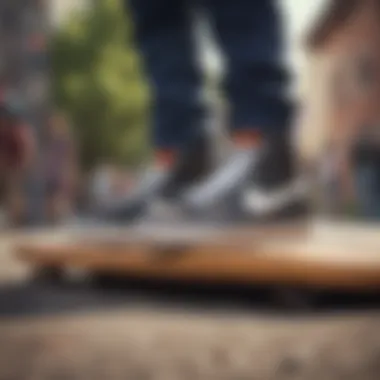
(126, 329)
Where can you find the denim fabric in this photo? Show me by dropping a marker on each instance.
(249, 33)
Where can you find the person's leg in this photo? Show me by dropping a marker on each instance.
(164, 38)
(250, 34)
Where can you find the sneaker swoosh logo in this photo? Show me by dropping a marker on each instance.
(223, 180)
(263, 202)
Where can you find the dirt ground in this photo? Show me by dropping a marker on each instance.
(135, 338)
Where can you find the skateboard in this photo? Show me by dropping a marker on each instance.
(316, 255)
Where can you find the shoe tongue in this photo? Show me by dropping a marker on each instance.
(247, 139)
(165, 158)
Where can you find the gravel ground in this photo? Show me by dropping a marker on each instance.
(73, 333)
(140, 345)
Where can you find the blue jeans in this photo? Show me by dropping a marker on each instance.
(249, 33)
(368, 190)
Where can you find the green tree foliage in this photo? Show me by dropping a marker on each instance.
(98, 81)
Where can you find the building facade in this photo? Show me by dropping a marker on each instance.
(342, 108)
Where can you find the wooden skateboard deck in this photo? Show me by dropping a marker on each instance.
(315, 255)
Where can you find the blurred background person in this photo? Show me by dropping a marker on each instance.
(61, 169)
(17, 152)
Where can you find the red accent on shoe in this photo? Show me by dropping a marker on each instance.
(247, 138)
(165, 157)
